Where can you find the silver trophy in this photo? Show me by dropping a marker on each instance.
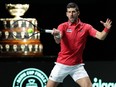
(22, 47)
(6, 34)
(36, 47)
(30, 47)
(1, 47)
(40, 47)
(15, 47)
(7, 47)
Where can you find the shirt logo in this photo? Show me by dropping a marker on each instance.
(68, 30)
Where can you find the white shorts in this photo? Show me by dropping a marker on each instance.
(60, 71)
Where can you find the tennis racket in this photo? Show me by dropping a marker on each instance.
(21, 31)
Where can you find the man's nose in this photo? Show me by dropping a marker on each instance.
(71, 13)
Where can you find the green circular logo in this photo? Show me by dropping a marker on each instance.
(30, 77)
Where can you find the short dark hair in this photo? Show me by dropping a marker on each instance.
(73, 5)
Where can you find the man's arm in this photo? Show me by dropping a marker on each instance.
(102, 35)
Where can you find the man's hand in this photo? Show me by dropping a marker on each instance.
(57, 35)
(107, 24)
(56, 32)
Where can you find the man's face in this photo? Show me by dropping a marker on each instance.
(72, 14)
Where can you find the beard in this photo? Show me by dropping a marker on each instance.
(73, 19)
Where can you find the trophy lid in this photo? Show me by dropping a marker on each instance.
(17, 10)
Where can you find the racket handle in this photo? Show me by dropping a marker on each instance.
(48, 31)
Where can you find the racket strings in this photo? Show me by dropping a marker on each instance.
(26, 34)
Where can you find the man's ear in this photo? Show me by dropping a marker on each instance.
(78, 13)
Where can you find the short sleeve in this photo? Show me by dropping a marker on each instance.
(92, 31)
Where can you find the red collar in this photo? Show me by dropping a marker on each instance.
(77, 23)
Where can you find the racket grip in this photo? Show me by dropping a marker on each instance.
(48, 31)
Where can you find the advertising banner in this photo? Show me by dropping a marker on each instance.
(36, 73)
